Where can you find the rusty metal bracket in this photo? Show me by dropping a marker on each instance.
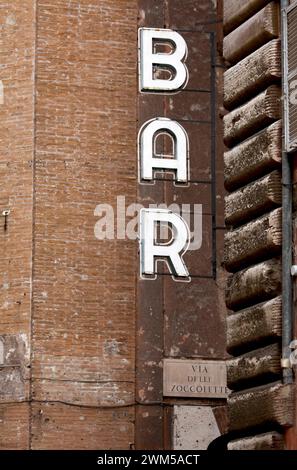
(5, 213)
(286, 363)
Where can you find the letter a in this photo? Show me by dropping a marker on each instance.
(148, 158)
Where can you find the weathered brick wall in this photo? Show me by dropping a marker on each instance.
(84, 289)
(174, 319)
(84, 79)
(17, 56)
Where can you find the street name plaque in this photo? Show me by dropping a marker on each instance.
(194, 378)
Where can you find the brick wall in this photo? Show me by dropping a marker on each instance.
(80, 88)
(174, 319)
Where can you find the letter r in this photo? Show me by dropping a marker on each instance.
(170, 252)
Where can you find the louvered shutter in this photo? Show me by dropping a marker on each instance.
(290, 78)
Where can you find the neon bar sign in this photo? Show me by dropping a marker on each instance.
(152, 64)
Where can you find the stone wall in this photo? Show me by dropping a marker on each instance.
(260, 406)
(82, 338)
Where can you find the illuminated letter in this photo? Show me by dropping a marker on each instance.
(171, 252)
(148, 158)
(172, 61)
